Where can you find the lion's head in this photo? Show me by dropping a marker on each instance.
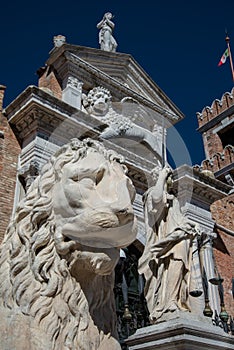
(97, 102)
(61, 248)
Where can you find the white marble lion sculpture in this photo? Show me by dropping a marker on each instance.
(60, 250)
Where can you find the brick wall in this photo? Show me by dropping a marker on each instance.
(222, 211)
(9, 151)
(219, 157)
(212, 143)
(48, 80)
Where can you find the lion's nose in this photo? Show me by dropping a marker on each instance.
(100, 103)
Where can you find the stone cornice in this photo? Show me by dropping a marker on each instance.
(37, 113)
(198, 187)
(190, 331)
(33, 92)
(90, 59)
(124, 89)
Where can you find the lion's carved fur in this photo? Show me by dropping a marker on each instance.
(43, 278)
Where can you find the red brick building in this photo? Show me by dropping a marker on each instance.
(216, 124)
(9, 152)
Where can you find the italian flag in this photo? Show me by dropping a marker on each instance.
(223, 58)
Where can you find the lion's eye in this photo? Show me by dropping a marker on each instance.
(84, 180)
(75, 178)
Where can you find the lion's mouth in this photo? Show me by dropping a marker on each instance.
(100, 109)
(107, 220)
(101, 228)
(104, 219)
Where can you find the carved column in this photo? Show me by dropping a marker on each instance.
(208, 258)
(206, 223)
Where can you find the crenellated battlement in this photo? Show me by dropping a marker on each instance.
(219, 160)
(217, 107)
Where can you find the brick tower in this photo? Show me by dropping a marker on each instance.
(216, 124)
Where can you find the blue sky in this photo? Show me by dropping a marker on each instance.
(178, 43)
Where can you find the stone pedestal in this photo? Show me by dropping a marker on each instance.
(181, 334)
(72, 92)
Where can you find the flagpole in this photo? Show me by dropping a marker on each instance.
(230, 55)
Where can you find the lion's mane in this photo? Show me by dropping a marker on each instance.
(35, 278)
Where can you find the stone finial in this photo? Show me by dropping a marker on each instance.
(72, 92)
(106, 39)
(59, 40)
(74, 82)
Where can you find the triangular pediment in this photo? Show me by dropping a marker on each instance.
(118, 72)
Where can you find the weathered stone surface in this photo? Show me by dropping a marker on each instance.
(59, 253)
(181, 333)
(120, 125)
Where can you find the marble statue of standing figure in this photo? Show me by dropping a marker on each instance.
(106, 40)
(166, 259)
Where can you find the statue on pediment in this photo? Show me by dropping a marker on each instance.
(106, 40)
(166, 260)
